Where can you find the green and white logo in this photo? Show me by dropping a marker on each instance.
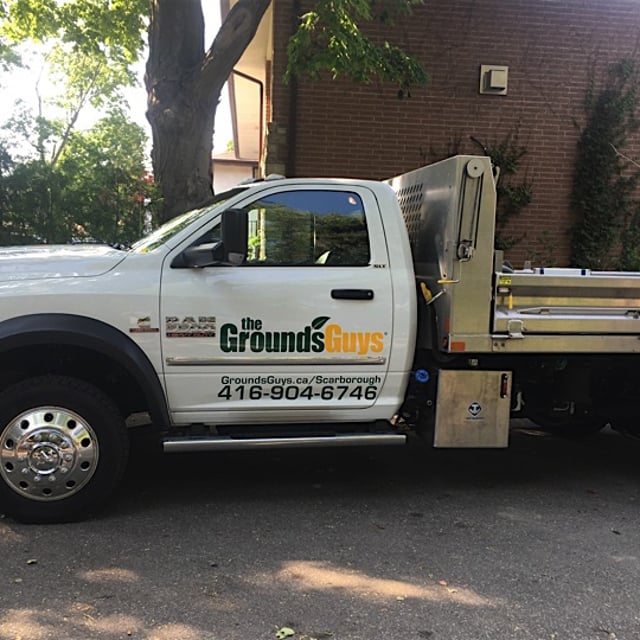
(316, 337)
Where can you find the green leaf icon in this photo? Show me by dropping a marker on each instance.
(318, 322)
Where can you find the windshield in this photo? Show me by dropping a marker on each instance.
(175, 225)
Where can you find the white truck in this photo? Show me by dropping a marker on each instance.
(299, 313)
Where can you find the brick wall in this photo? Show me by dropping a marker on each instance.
(342, 129)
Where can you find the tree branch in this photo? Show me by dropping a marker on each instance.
(618, 153)
(235, 34)
(84, 94)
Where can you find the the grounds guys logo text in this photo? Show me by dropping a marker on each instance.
(316, 337)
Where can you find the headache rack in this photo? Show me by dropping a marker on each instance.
(479, 305)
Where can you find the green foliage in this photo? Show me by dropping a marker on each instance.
(63, 185)
(93, 43)
(6, 167)
(603, 184)
(629, 259)
(543, 249)
(30, 134)
(8, 55)
(511, 196)
(105, 186)
(112, 30)
(96, 192)
(329, 39)
(86, 79)
(33, 190)
(89, 48)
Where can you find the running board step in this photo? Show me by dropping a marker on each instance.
(225, 443)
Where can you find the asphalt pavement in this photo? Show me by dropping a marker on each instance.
(539, 541)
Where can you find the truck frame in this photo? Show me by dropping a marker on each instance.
(570, 337)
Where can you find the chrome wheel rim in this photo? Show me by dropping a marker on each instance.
(48, 453)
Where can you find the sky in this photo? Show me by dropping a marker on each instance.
(20, 83)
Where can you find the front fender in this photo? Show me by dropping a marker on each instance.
(95, 335)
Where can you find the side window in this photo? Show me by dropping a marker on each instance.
(310, 227)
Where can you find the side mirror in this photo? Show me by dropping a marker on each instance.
(235, 235)
(230, 250)
(200, 255)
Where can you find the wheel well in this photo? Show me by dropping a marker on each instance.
(78, 362)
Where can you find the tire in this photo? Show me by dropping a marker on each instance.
(63, 449)
(569, 426)
(627, 427)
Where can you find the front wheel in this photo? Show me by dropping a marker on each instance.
(63, 449)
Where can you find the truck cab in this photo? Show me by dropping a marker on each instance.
(282, 314)
(313, 322)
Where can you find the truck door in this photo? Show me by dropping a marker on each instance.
(304, 323)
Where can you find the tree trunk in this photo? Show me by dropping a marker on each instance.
(183, 87)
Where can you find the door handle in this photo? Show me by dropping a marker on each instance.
(352, 294)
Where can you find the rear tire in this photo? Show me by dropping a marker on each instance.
(569, 425)
(627, 427)
(63, 449)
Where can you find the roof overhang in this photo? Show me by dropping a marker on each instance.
(247, 89)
